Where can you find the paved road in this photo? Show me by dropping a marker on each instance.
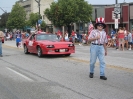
(29, 77)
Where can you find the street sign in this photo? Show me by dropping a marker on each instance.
(117, 5)
(114, 15)
(116, 23)
(40, 21)
(117, 10)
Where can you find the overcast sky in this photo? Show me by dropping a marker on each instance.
(7, 4)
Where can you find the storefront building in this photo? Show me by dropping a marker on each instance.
(131, 16)
(97, 11)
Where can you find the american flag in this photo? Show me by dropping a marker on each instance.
(90, 27)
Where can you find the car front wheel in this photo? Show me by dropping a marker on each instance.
(25, 49)
(39, 52)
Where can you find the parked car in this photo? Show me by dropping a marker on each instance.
(47, 44)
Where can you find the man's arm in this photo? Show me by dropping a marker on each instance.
(104, 45)
(105, 48)
(92, 38)
(1, 34)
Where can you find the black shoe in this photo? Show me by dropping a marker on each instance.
(91, 75)
(103, 77)
(1, 55)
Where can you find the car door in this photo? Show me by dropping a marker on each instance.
(34, 44)
(30, 44)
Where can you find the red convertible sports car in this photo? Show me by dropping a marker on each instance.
(43, 44)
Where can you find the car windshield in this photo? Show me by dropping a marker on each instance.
(50, 37)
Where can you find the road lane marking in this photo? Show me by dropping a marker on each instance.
(25, 77)
(97, 64)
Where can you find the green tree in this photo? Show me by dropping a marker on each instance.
(17, 17)
(33, 19)
(27, 23)
(43, 25)
(64, 12)
(4, 18)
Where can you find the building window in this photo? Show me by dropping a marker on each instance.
(132, 25)
(27, 6)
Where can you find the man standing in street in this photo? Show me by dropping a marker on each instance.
(1, 36)
(98, 48)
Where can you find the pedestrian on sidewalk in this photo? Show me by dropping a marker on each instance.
(66, 37)
(73, 36)
(1, 36)
(121, 38)
(18, 39)
(132, 38)
(129, 38)
(125, 37)
(98, 48)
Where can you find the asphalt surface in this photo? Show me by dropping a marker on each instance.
(58, 77)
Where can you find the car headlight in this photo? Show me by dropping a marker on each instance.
(70, 45)
(50, 46)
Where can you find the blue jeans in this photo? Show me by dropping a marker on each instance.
(73, 39)
(0, 47)
(97, 51)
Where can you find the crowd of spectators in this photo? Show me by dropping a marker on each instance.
(121, 39)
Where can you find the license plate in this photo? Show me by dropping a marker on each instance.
(62, 50)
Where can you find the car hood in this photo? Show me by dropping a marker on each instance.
(53, 42)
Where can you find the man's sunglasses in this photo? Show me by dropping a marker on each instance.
(100, 25)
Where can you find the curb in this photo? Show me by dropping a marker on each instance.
(9, 46)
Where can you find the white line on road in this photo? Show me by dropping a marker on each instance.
(19, 74)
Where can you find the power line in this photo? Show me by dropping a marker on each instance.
(2, 10)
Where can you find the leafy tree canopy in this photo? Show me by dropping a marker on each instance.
(43, 25)
(33, 19)
(17, 17)
(3, 20)
(65, 12)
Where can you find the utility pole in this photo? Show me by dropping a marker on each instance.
(116, 12)
(116, 1)
(38, 1)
